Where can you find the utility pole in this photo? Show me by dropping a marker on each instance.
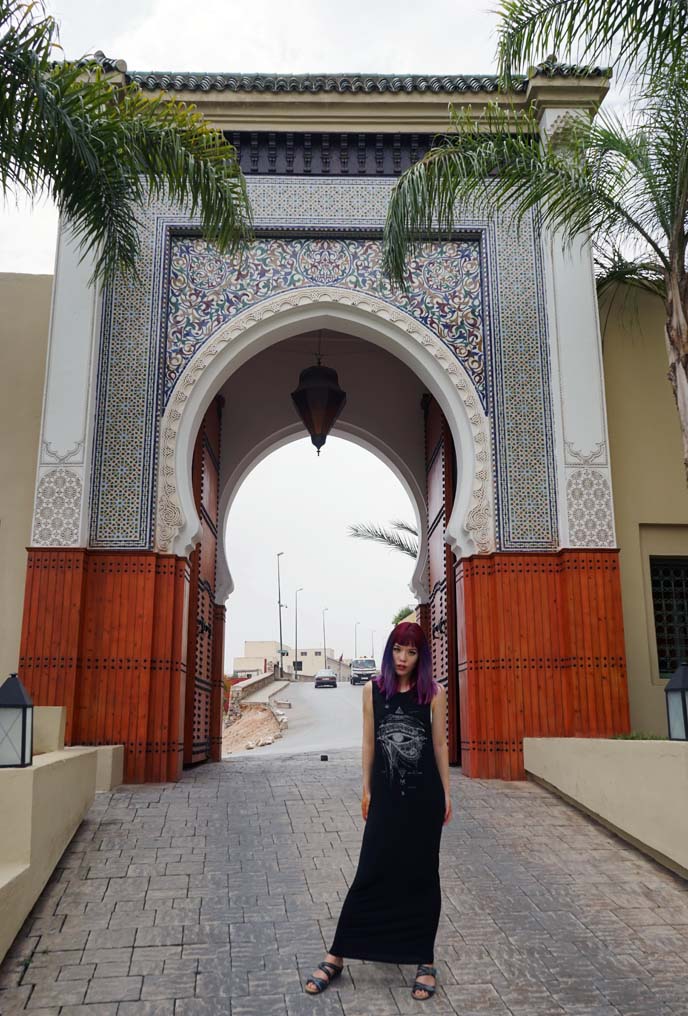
(324, 640)
(279, 607)
(372, 644)
(296, 631)
(355, 639)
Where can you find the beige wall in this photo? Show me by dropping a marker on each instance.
(25, 305)
(638, 788)
(650, 493)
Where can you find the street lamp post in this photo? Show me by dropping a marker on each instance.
(279, 608)
(324, 639)
(356, 639)
(296, 632)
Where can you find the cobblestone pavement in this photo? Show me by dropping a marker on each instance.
(218, 895)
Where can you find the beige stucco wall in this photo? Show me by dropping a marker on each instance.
(24, 317)
(650, 493)
(639, 788)
(42, 807)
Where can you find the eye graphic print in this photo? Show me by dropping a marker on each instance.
(401, 738)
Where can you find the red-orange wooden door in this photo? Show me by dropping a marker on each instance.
(198, 717)
(440, 486)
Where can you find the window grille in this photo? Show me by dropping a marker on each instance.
(669, 576)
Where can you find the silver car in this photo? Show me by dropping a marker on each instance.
(326, 679)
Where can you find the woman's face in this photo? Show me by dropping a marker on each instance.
(405, 659)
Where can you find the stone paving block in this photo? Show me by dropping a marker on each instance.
(327, 1004)
(202, 1007)
(158, 1008)
(114, 938)
(57, 993)
(80, 972)
(120, 969)
(159, 936)
(114, 989)
(372, 1002)
(98, 1009)
(106, 956)
(205, 933)
(151, 959)
(13, 1000)
(266, 1005)
(168, 986)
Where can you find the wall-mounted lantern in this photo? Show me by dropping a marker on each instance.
(319, 400)
(676, 691)
(16, 724)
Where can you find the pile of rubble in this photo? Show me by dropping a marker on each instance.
(253, 725)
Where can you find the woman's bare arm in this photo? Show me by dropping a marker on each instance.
(439, 743)
(368, 746)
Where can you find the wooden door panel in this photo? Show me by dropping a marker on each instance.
(201, 658)
(439, 458)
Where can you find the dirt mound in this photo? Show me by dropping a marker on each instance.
(256, 725)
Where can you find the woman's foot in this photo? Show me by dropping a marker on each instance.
(425, 983)
(330, 968)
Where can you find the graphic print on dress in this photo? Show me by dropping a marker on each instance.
(402, 738)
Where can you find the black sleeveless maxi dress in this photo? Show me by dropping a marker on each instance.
(392, 909)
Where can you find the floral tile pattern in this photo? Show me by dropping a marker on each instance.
(207, 290)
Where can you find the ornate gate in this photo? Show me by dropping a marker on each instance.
(440, 468)
(205, 621)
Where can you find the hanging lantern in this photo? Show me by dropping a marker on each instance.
(676, 691)
(319, 400)
(16, 724)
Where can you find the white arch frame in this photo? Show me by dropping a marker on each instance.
(471, 526)
(348, 432)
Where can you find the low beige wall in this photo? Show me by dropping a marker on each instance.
(48, 728)
(637, 788)
(41, 806)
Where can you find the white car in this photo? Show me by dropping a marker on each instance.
(326, 679)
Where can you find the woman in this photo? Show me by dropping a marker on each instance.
(392, 909)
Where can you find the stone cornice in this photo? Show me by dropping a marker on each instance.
(369, 103)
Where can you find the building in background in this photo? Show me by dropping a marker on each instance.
(261, 657)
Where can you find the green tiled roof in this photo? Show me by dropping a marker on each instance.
(187, 81)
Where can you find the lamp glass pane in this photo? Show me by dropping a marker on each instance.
(28, 744)
(10, 735)
(677, 723)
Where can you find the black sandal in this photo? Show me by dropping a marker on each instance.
(424, 971)
(332, 971)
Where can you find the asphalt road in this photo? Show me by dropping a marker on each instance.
(321, 719)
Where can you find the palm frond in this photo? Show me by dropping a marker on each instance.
(386, 537)
(608, 177)
(405, 527)
(613, 269)
(643, 34)
(103, 149)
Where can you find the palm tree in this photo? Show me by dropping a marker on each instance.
(403, 536)
(623, 180)
(643, 35)
(100, 148)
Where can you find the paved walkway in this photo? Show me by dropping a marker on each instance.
(217, 895)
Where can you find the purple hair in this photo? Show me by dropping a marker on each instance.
(408, 634)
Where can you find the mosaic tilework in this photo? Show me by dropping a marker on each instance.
(133, 369)
(590, 511)
(56, 510)
(207, 290)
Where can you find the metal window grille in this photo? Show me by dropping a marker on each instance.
(669, 577)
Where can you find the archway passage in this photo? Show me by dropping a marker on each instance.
(131, 642)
